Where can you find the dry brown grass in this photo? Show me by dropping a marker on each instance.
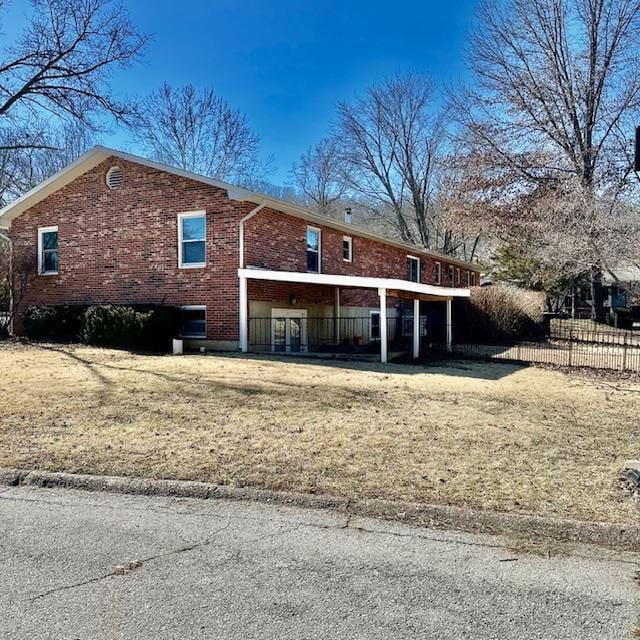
(485, 435)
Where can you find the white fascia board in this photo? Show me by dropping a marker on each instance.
(353, 281)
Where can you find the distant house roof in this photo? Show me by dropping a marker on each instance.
(98, 154)
(626, 273)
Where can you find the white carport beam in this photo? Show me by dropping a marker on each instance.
(449, 326)
(416, 328)
(244, 319)
(383, 324)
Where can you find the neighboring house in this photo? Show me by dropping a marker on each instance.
(249, 271)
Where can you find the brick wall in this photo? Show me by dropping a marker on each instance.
(119, 246)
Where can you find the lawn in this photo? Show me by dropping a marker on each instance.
(494, 436)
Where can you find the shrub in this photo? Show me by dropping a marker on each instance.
(140, 327)
(58, 323)
(503, 313)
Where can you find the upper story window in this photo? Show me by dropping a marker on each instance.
(451, 272)
(192, 231)
(413, 269)
(437, 275)
(48, 251)
(468, 278)
(473, 278)
(347, 249)
(458, 276)
(313, 250)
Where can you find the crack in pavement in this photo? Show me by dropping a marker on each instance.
(135, 564)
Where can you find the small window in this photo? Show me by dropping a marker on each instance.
(48, 251)
(407, 325)
(468, 278)
(458, 277)
(374, 325)
(413, 269)
(192, 231)
(473, 278)
(347, 249)
(451, 271)
(438, 273)
(115, 178)
(313, 250)
(194, 322)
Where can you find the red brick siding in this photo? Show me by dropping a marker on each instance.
(122, 246)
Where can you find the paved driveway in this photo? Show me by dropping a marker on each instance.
(77, 565)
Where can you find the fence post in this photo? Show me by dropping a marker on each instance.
(571, 347)
(624, 354)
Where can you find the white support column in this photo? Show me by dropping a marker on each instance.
(416, 329)
(449, 326)
(244, 328)
(383, 324)
(337, 316)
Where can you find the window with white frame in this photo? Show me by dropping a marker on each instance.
(413, 269)
(374, 325)
(192, 232)
(468, 278)
(313, 250)
(194, 321)
(347, 249)
(473, 278)
(407, 324)
(437, 276)
(458, 276)
(48, 251)
(451, 274)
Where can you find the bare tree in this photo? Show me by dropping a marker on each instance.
(321, 177)
(59, 68)
(198, 131)
(17, 271)
(557, 84)
(390, 139)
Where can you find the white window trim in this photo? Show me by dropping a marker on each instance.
(409, 257)
(473, 278)
(195, 307)
(374, 312)
(181, 217)
(349, 241)
(458, 281)
(310, 228)
(468, 278)
(41, 232)
(438, 276)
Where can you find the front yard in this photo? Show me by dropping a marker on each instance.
(493, 435)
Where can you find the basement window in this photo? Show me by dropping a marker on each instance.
(194, 321)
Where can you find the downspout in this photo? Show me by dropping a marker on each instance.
(243, 309)
(249, 215)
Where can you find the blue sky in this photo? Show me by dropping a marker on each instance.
(287, 63)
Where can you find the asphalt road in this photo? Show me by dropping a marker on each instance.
(77, 565)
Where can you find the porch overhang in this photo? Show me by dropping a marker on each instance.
(360, 282)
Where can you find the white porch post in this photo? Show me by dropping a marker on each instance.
(337, 316)
(416, 328)
(449, 326)
(244, 329)
(383, 324)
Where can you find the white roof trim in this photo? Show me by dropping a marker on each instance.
(98, 154)
(354, 281)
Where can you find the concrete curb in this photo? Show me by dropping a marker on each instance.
(617, 536)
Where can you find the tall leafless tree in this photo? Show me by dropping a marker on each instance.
(59, 68)
(199, 131)
(321, 177)
(390, 139)
(557, 83)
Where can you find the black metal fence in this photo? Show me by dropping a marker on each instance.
(294, 332)
(568, 343)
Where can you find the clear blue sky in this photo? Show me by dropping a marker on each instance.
(287, 63)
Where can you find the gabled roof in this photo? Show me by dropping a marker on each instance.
(98, 154)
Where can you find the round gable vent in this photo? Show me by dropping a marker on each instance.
(115, 177)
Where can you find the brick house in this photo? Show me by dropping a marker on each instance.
(250, 272)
